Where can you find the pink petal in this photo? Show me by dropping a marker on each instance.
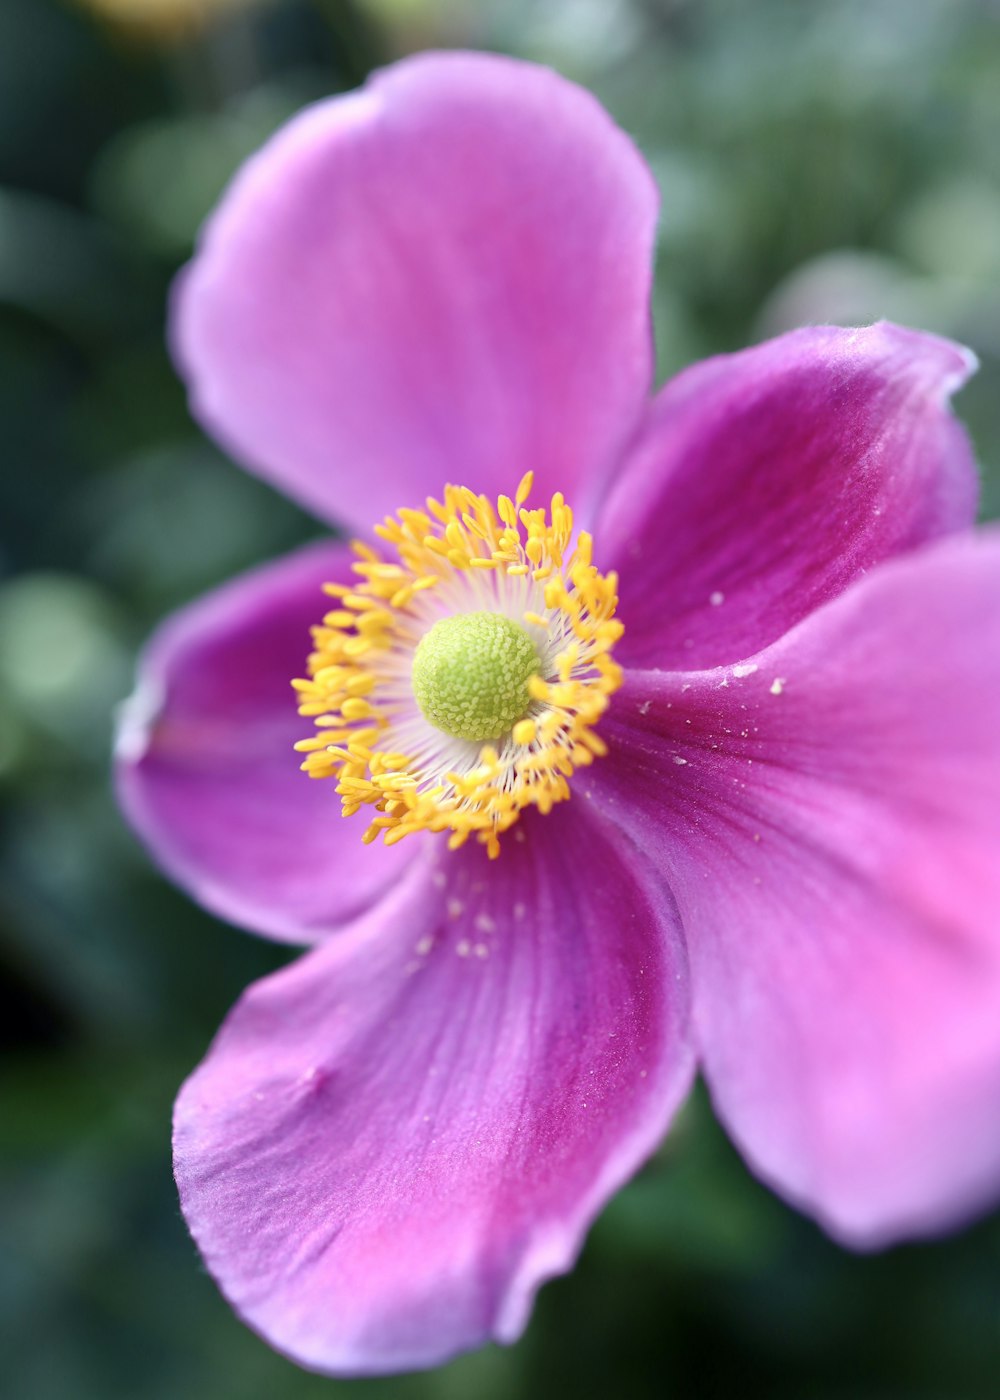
(442, 277)
(828, 818)
(206, 768)
(393, 1142)
(767, 481)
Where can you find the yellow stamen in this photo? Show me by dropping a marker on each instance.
(462, 555)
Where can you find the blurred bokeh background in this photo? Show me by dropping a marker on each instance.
(835, 160)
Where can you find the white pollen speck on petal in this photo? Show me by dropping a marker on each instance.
(463, 947)
(777, 685)
(745, 668)
(678, 760)
(716, 599)
(644, 707)
(455, 908)
(481, 950)
(425, 945)
(439, 879)
(485, 923)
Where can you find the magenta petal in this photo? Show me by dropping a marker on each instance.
(765, 482)
(828, 818)
(206, 768)
(394, 1141)
(442, 277)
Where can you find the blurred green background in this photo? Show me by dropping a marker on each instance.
(817, 161)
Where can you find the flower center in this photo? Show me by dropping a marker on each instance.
(459, 678)
(470, 674)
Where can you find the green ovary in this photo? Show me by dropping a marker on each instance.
(470, 674)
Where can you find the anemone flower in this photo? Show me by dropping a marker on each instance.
(703, 776)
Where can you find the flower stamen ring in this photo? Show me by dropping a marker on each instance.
(461, 681)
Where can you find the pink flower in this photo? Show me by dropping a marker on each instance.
(784, 870)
